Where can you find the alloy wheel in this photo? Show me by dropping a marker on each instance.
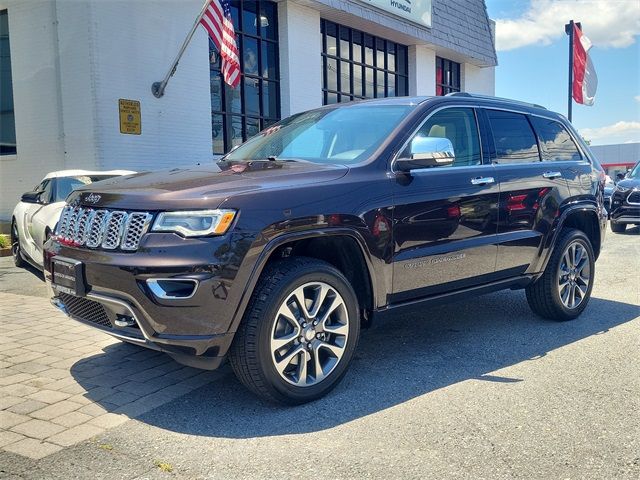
(15, 242)
(574, 275)
(309, 334)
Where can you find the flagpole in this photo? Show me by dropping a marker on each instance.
(568, 28)
(158, 87)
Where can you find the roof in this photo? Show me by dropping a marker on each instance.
(78, 173)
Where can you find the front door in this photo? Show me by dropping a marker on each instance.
(445, 218)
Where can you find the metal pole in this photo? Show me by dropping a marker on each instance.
(158, 87)
(568, 28)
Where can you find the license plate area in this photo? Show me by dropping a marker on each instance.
(67, 276)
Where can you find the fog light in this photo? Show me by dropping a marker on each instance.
(123, 321)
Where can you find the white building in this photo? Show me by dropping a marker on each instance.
(66, 65)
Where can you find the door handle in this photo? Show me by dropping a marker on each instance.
(552, 174)
(482, 180)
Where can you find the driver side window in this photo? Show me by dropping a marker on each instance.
(460, 127)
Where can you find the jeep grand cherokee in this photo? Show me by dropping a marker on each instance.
(275, 256)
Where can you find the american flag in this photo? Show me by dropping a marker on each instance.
(217, 21)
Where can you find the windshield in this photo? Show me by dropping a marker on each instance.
(635, 173)
(341, 135)
(65, 185)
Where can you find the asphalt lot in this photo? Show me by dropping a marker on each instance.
(477, 389)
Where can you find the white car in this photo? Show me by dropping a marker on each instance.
(37, 213)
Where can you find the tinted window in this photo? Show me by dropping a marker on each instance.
(555, 141)
(339, 135)
(513, 137)
(65, 185)
(460, 127)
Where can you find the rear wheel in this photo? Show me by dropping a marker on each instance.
(299, 333)
(16, 251)
(618, 227)
(564, 289)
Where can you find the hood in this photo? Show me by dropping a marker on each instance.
(629, 183)
(202, 186)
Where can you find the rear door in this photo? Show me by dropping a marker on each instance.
(444, 220)
(531, 191)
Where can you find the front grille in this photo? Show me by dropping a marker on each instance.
(101, 228)
(85, 309)
(634, 198)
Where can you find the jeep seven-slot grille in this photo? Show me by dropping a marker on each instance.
(85, 309)
(100, 228)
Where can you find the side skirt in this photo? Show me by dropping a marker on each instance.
(514, 283)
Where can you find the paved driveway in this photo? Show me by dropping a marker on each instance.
(478, 389)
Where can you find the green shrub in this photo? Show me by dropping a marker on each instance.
(5, 241)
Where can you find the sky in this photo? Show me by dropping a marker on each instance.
(533, 58)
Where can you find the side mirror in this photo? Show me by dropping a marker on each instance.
(427, 152)
(31, 197)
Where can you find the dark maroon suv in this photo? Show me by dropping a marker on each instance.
(275, 256)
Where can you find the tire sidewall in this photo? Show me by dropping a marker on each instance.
(575, 236)
(280, 387)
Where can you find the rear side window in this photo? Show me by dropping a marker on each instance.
(513, 137)
(555, 141)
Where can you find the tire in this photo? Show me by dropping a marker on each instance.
(16, 251)
(544, 295)
(267, 339)
(618, 227)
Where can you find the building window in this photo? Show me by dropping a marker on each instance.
(358, 65)
(7, 119)
(447, 76)
(240, 113)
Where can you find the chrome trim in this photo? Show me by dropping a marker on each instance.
(629, 196)
(121, 303)
(55, 301)
(482, 180)
(159, 292)
(552, 174)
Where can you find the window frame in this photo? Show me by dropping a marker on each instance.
(448, 87)
(226, 112)
(387, 46)
(13, 150)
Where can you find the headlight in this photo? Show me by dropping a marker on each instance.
(195, 223)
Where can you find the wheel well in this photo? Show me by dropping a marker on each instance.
(344, 253)
(587, 222)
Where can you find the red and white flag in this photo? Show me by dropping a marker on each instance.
(585, 80)
(217, 21)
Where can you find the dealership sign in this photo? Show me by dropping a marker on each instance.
(417, 11)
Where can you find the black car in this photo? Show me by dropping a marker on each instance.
(277, 255)
(625, 201)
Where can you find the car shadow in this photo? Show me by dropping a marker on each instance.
(397, 360)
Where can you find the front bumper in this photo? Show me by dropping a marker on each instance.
(623, 210)
(119, 300)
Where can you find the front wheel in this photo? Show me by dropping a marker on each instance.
(299, 332)
(16, 250)
(564, 289)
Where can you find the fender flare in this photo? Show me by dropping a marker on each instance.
(551, 242)
(280, 240)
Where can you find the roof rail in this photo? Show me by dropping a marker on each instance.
(489, 97)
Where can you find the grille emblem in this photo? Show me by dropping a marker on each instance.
(92, 198)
